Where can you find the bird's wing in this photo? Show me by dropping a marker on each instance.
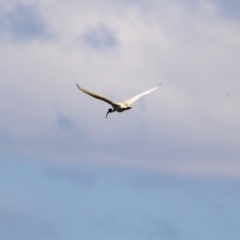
(133, 99)
(95, 95)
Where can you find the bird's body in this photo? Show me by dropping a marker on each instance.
(117, 107)
(120, 107)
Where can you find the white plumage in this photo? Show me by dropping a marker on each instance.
(117, 107)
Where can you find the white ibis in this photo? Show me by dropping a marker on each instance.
(117, 107)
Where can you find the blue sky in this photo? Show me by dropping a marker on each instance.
(44, 202)
(187, 130)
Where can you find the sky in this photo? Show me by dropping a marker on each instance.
(58, 152)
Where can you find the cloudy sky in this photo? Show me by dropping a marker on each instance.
(58, 153)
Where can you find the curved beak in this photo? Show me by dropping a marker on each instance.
(107, 113)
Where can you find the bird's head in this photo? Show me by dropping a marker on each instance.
(109, 111)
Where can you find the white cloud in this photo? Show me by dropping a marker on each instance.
(193, 116)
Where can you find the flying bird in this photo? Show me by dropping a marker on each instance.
(117, 107)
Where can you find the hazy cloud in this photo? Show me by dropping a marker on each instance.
(23, 23)
(231, 10)
(100, 38)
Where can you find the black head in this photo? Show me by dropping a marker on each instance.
(109, 111)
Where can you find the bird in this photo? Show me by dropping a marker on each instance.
(117, 107)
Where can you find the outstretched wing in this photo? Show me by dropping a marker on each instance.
(95, 95)
(133, 99)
